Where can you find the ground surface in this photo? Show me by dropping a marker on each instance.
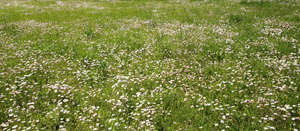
(159, 65)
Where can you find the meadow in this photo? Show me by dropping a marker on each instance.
(158, 65)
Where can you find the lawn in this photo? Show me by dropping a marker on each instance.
(88, 65)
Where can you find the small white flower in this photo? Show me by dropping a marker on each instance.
(65, 100)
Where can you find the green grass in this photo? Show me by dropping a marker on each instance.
(149, 65)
